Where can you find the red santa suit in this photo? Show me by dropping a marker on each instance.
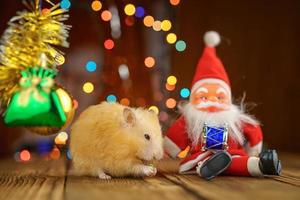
(176, 140)
(211, 69)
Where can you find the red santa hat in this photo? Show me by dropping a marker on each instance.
(210, 68)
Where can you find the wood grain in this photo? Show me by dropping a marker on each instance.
(40, 179)
(35, 180)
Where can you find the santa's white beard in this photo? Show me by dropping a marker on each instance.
(234, 117)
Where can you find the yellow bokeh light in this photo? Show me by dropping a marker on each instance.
(88, 87)
(171, 80)
(156, 25)
(96, 5)
(129, 9)
(171, 38)
(154, 109)
(166, 25)
(148, 21)
(61, 138)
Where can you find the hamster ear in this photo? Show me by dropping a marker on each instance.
(129, 116)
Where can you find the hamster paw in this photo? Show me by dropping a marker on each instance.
(149, 170)
(104, 176)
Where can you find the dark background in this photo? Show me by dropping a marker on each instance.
(260, 50)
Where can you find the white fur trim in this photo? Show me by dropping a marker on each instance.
(212, 80)
(172, 149)
(253, 166)
(212, 38)
(192, 163)
(235, 156)
(255, 150)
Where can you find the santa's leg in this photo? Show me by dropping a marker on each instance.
(266, 164)
(244, 166)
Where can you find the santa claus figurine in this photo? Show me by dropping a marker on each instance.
(223, 139)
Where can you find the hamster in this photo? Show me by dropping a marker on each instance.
(112, 140)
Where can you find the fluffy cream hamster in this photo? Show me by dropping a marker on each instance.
(112, 140)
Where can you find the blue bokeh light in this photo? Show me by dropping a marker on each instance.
(91, 66)
(184, 93)
(139, 11)
(111, 98)
(65, 4)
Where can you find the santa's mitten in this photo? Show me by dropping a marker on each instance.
(215, 165)
(269, 163)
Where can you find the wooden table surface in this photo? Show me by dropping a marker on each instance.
(40, 179)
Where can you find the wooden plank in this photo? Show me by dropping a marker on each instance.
(38, 179)
(286, 186)
(124, 188)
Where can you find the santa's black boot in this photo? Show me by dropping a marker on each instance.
(269, 163)
(215, 165)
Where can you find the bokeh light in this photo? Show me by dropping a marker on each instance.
(170, 87)
(148, 21)
(65, 4)
(157, 25)
(129, 21)
(109, 44)
(75, 104)
(111, 98)
(91, 66)
(106, 15)
(149, 62)
(96, 5)
(25, 155)
(45, 11)
(171, 103)
(139, 11)
(184, 92)
(171, 80)
(88, 87)
(163, 116)
(171, 38)
(174, 2)
(180, 45)
(140, 101)
(125, 102)
(129, 9)
(154, 109)
(166, 25)
(69, 156)
(123, 71)
(61, 138)
(55, 153)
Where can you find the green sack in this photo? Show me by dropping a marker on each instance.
(36, 104)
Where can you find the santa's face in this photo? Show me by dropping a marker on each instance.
(210, 97)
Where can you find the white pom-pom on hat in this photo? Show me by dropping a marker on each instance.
(212, 38)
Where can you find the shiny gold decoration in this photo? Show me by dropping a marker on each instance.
(30, 33)
(69, 109)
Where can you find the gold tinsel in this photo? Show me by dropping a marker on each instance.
(30, 34)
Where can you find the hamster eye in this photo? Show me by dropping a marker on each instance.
(147, 136)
